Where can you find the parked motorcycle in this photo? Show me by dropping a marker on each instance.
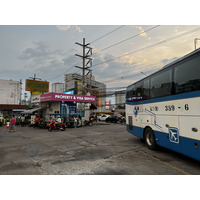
(122, 120)
(54, 126)
(89, 122)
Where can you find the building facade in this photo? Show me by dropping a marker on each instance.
(73, 82)
(52, 105)
(10, 98)
(58, 87)
(120, 98)
(10, 92)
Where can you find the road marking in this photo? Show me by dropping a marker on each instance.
(176, 168)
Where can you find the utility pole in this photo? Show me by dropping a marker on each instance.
(34, 77)
(20, 92)
(90, 79)
(86, 58)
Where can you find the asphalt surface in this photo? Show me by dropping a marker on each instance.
(101, 149)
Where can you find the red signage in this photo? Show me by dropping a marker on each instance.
(67, 97)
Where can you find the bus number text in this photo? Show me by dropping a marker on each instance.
(169, 108)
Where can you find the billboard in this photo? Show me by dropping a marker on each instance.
(98, 94)
(39, 86)
(81, 89)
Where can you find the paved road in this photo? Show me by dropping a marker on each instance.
(103, 149)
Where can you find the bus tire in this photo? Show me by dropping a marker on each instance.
(150, 139)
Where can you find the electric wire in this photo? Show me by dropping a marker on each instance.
(144, 31)
(107, 34)
(108, 46)
(150, 46)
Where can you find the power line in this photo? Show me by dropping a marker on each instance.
(107, 33)
(90, 42)
(77, 62)
(129, 38)
(150, 46)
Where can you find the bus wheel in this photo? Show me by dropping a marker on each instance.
(150, 139)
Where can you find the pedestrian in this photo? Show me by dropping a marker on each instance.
(80, 120)
(22, 120)
(75, 122)
(13, 122)
(37, 120)
(7, 126)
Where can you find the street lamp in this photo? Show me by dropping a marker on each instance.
(143, 73)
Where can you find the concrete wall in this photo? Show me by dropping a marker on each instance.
(10, 92)
(58, 87)
(54, 106)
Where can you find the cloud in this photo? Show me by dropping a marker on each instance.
(142, 62)
(78, 29)
(67, 27)
(46, 61)
(143, 34)
(63, 27)
(127, 58)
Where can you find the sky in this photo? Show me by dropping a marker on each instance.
(122, 54)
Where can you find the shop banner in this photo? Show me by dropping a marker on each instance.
(67, 97)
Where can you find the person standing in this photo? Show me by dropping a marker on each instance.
(7, 126)
(22, 120)
(75, 122)
(13, 122)
(37, 120)
(80, 120)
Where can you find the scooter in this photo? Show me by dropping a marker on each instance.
(54, 126)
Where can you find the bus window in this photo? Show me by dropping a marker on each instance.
(130, 93)
(139, 89)
(187, 76)
(161, 84)
(146, 89)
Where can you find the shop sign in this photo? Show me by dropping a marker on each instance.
(35, 99)
(69, 92)
(107, 104)
(67, 97)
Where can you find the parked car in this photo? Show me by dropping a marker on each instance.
(99, 115)
(103, 117)
(113, 118)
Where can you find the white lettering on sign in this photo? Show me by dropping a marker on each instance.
(63, 97)
(80, 98)
(89, 98)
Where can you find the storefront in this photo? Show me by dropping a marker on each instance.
(7, 110)
(65, 105)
